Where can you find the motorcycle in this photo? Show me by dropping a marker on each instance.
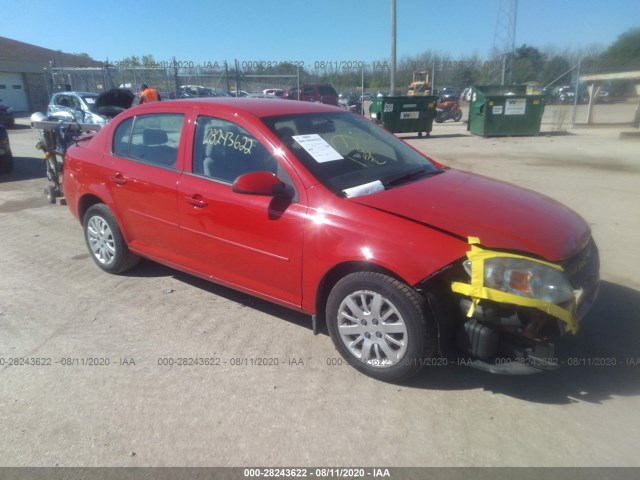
(55, 136)
(448, 108)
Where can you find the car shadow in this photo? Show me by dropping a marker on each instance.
(149, 269)
(554, 133)
(601, 361)
(19, 126)
(26, 168)
(432, 136)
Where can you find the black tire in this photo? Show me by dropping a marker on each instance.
(457, 116)
(105, 241)
(6, 164)
(388, 342)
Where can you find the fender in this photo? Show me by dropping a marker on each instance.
(329, 242)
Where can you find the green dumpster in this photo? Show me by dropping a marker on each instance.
(404, 114)
(504, 110)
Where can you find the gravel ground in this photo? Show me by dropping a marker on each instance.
(274, 395)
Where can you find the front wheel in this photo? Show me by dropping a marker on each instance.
(379, 325)
(457, 116)
(105, 241)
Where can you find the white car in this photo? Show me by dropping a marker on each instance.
(88, 107)
(273, 92)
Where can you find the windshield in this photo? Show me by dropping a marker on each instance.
(348, 154)
(90, 99)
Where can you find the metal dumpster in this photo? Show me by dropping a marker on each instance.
(504, 110)
(404, 114)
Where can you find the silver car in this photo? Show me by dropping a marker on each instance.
(75, 106)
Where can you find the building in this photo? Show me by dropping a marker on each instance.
(27, 75)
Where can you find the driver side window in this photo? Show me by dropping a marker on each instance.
(223, 151)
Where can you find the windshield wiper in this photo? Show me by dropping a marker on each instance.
(411, 174)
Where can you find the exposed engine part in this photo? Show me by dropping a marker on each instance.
(479, 340)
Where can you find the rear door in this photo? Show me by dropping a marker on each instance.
(142, 174)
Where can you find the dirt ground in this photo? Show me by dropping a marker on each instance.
(273, 394)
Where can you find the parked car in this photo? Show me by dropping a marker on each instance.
(314, 93)
(324, 212)
(447, 92)
(194, 91)
(567, 94)
(273, 92)
(87, 107)
(6, 158)
(7, 119)
(350, 101)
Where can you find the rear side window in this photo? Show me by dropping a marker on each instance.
(326, 90)
(150, 139)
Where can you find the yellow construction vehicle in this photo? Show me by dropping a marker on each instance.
(420, 86)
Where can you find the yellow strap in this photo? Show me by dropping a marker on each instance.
(477, 290)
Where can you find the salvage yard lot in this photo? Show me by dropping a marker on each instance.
(259, 389)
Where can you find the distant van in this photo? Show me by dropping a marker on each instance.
(314, 93)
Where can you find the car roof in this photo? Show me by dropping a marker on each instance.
(259, 107)
(81, 94)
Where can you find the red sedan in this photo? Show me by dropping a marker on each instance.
(322, 211)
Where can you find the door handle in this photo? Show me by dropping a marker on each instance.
(196, 200)
(118, 179)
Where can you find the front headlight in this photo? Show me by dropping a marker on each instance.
(526, 278)
(10, 110)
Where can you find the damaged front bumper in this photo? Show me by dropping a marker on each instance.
(514, 307)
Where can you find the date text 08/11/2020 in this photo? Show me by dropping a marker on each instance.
(255, 64)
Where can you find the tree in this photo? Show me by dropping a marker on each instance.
(527, 64)
(624, 53)
(557, 70)
(466, 73)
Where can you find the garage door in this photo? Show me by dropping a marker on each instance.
(12, 91)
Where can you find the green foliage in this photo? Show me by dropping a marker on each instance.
(556, 70)
(527, 64)
(624, 53)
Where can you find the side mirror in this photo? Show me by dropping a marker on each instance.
(261, 183)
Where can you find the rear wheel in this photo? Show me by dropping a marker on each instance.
(379, 325)
(105, 242)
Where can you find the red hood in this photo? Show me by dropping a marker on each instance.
(503, 216)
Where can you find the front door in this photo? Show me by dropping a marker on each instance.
(249, 242)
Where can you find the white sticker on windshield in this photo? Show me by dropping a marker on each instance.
(318, 148)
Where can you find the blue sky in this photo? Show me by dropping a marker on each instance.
(305, 30)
